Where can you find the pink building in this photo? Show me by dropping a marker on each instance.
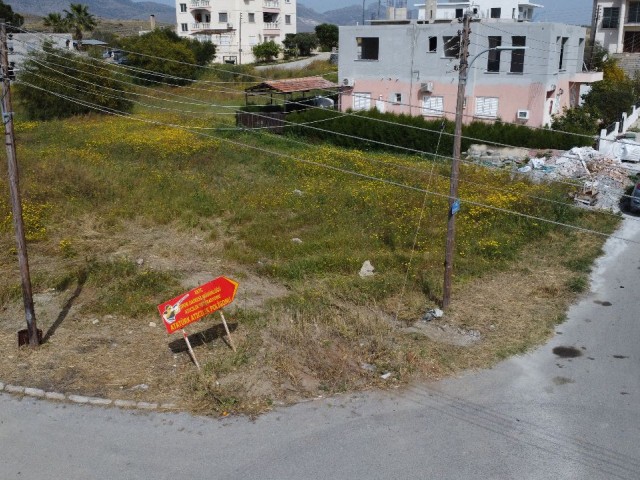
(411, 68)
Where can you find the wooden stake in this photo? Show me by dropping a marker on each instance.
(224, 322)
(193, 355)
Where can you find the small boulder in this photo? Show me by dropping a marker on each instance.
(367, 269)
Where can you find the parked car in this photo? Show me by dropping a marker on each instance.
(634, 200)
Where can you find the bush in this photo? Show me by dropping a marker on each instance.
(168, 57)
(266, 52)
(300, 44)
(425, 137)
(71, 76)
(327, 35)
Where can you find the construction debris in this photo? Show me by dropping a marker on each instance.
(600, 179)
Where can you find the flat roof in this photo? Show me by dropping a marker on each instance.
(292, 85)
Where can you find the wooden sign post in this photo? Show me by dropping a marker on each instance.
(192, 306)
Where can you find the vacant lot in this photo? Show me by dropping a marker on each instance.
(123, 214)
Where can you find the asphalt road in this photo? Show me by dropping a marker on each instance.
(538, 416)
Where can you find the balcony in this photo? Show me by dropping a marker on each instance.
(199, 4)
(200, 26)
(271, 26)
(273, 4)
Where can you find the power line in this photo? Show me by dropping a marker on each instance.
(333, 168)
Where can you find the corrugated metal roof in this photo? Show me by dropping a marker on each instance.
(292, 85)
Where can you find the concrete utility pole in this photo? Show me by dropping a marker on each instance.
(14, 187)
(455, 164)
(240, 40)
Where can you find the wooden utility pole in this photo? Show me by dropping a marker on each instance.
(14, 187)
(455, 163)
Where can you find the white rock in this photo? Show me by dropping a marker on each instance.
(297, 192)
(79, 398)
(386, 376)
(367, 269)
(296, 241)
(34, 392)
(152, 324)
(142, 386)
(95, 321)
(140, 261)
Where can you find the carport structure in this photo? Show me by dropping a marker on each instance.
(288, 88)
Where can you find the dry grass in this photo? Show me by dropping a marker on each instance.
(284, 354)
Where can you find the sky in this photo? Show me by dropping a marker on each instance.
(564, 11)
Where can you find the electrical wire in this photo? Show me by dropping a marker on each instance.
(336, 169)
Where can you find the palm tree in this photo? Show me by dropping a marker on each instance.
(79, 19)
(56, 21)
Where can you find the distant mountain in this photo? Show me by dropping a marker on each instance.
(309, 18)
(114, 9)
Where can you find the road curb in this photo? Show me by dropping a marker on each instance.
(84, 400)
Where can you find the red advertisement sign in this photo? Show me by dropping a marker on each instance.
(190, 307)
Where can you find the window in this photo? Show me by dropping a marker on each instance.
(517, 56)
(563, 45)
(496, 12)
(451, 46)
(287, 19)
(493, 64)
(183, 7)
(368, 48)
(396, 98)
(362, 101)
(433, 44)
(459, 13)
(486, 107)
(432, 106)
(610, 17)
(223, 17)
(252, 18)
(634, 12)
(184, 27)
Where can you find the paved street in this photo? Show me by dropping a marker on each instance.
(538, 416)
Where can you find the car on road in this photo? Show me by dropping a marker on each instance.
(634, 199)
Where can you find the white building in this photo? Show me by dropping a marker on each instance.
(616, 25)
(448, 10)
(235, 26)
(20, 45)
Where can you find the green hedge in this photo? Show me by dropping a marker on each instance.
(361, 126)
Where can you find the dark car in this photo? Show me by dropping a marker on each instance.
(634, 201)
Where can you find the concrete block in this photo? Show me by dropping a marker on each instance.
(125, 403)
(34, 392)
(147, 406)
(79, 398)
(13, 389)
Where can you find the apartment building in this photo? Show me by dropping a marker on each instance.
(447, 10)
(616, 25)
(411, 68)
(235, 26)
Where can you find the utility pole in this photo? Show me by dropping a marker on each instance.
(240, 40)
(14, 187)
(455, 163)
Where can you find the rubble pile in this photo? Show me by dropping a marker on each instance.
(600, 179)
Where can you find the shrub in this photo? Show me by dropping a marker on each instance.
(168, 57)
(266, 51)
(425, 137)
(48, 76)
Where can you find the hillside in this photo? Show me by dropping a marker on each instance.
(120, 9)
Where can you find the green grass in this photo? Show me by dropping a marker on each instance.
(86, 180)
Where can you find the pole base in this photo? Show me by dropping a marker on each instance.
(23, 337)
